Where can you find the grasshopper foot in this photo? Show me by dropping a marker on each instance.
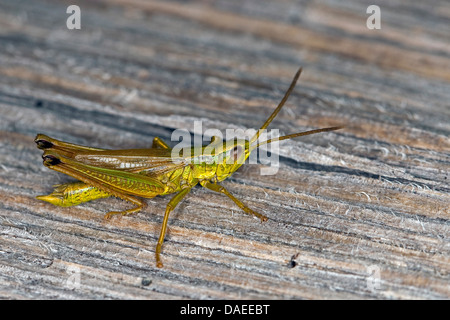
(159, 263)
(125, 212)
(110, 214)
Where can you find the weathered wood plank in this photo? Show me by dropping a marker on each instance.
(358, 213)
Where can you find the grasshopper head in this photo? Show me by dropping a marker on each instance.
(234, 153)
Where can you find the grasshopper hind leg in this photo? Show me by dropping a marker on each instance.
(78, 171)
(44, 142)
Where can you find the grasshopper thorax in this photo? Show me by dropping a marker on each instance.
(219, 159)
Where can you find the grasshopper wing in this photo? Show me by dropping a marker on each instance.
(151, 162)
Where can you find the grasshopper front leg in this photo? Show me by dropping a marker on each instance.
(218, 188)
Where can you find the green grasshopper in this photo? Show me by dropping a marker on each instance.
(132, 174)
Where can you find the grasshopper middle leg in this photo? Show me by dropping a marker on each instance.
(170, 207)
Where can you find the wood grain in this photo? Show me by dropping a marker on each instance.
(361, 213)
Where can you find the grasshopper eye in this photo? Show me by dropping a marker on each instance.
(236, 153)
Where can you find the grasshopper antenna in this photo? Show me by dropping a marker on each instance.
(280, 105)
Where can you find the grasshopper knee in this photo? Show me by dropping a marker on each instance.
(50, 160)
(43, 142)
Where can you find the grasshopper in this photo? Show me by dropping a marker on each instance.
(133, 174)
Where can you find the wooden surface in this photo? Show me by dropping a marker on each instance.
(359, 213)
